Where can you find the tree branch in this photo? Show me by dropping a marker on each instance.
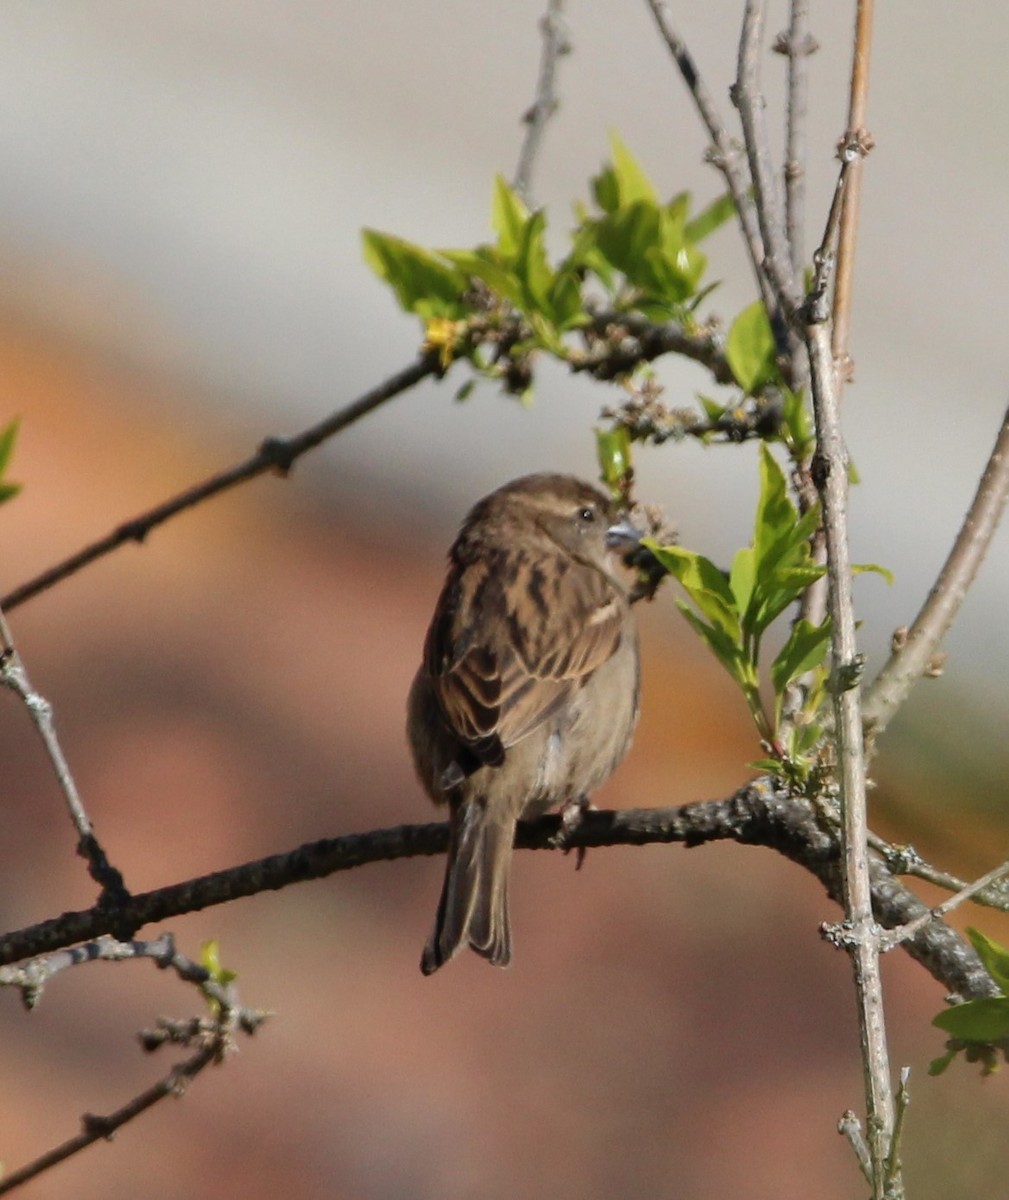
(749, 100)
(907, 665)
(14, 676)
(856, 135)
(757, 815)
(275, 454)
(797, 44)
(724, 154)
(860, 934)
(555, 44)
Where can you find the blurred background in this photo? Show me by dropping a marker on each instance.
(182, 188)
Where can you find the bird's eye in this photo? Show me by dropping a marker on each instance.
(587, 514)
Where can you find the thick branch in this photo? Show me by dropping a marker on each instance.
(757, 815)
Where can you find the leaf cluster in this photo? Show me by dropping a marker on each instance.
(629, 251)
(732, 611)
(979, 1029)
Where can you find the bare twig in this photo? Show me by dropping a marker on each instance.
(906, 666)
(895, 936)
(892, 1178)
(749, 100)
(95, 1128)
(275, 454)
(850, 1127)
(555, 44)
(758, 814)
(725, 153)
(32, 977)
(905, 860)
(212, 1036)
(14, 676)
(831, 474)
(797, 43)
(856, 135)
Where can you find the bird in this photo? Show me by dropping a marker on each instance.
(527, 694)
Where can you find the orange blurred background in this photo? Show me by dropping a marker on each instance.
(672, 1023)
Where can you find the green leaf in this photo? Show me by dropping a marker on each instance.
(775, 521)
(724, 647)
(797, 423)
(8, 436)
(210, 960)
(875, 569)
(485, 264)
(712, 409)
(805, 649)
(613, 450)
(984, 1020)
(938, 1065)
(750, 349)
(742, 577)
(509, 217)
(565, 300)
(632, 183)
(424, 284)
(606, 190)
(532, 265)
(709, 219)
(8, 491)
(625, 237)
(703, 582)
(994, 955)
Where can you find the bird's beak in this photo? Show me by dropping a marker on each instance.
(623, 536)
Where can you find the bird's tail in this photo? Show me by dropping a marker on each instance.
(474, 897)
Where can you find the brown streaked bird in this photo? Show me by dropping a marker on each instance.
(527, 694)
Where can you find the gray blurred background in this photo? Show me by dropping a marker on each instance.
(182, 189)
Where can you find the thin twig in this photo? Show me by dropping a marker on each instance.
(14, 676)
(831, 474)
(32, 976)
(95, 1128)
(797, 44)
(895, 936)
(213, 1036)
(275, 454)
(892, 1178)
(749, 100)
(905, 860)
(850, 1127)
(906, 666)
(856, 135)
(555, 44)
(757, 815)
(725, 153)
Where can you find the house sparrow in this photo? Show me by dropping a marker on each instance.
(527, 694)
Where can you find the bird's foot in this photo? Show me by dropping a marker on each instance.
(571, 817)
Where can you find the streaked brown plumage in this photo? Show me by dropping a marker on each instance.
(527, 694)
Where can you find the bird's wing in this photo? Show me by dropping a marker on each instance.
(511, 641)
